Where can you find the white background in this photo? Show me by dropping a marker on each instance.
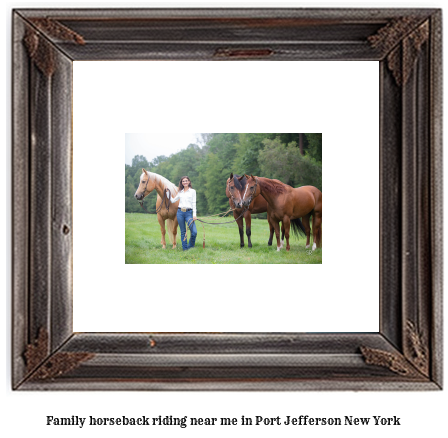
(340, 295)
(422, 414)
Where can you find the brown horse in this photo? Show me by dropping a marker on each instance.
(150, 181)
(286, 205)
(235, 186)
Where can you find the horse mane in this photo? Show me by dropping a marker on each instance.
(273, 186)
(164, 181)
(239, 184)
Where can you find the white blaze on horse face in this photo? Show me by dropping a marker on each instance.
(245, 191)
(142, 183)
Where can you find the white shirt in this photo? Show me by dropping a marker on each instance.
(187, 199)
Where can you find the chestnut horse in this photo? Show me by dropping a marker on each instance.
(286, 205)
(235, 186)
(150, 181)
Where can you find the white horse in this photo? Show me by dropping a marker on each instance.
(166, 211)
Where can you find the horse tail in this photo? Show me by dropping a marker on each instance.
(170, 229)
(297, 227)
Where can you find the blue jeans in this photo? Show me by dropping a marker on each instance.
(186, 217)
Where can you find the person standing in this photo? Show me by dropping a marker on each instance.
(186, 212)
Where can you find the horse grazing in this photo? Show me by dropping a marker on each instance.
(286, 205)
(235, 186)
(150, 181)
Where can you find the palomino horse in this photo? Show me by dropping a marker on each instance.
(152, 181)
(234, 188)
(287, 204)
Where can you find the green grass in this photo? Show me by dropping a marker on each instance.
(222, 244)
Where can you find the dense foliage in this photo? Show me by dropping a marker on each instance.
(295, 159)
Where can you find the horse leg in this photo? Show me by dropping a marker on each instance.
(240, 224)
(277, 234)
(248, 218)
(283, 235)
(306, 225)
(286, 225)
(162, 229)
(175, 232)
(271, 232)
(317, 231)
(271, 227)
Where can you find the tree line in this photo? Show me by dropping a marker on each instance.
(295, 159)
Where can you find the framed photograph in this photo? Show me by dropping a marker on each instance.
(228, 209)
(225, 336)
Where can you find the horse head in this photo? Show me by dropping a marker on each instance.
(233, 189)
(145, 187)
(250, 190)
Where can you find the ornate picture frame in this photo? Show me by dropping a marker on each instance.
(406, 353)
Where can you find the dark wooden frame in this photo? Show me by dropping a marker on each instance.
(406, 354)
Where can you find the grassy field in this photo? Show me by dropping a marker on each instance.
(222, 244)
